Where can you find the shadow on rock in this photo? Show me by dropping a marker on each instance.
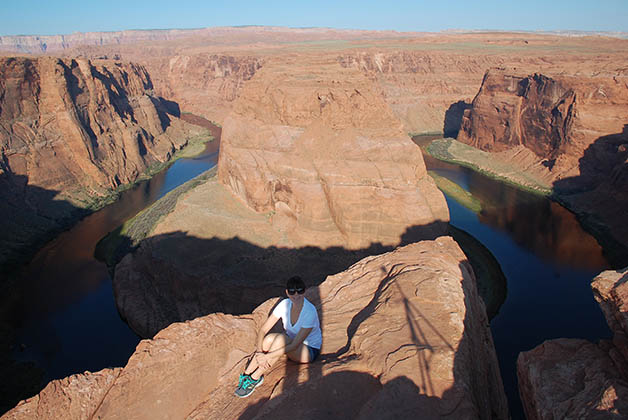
(176, 277)
(453, 118)
(29, 217)
(599, 195)
(345, 395)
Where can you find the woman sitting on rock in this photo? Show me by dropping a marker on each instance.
(301, 341)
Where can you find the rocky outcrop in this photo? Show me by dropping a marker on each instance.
(556, 117)
(575, 128)
(573, 378)
(203, 83)
(426, 91)
(71, 131)
(320, 149)
(404, 334)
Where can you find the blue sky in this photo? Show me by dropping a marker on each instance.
(48, 17)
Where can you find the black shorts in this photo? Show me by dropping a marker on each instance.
(314, 352)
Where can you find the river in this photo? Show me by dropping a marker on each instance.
(548, 259)
(70, 323)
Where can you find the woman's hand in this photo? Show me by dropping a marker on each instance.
(262, 360)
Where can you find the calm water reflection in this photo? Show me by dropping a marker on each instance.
(67, 319)
(548, 259)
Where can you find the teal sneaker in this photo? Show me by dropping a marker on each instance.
(247, 385)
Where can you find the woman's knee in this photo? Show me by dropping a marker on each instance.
(274, 341)
(268, 341)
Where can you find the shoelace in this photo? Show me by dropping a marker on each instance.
(248, 382)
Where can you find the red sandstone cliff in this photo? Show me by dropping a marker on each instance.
(70, 132)
(405, 334)
(573, 378)
(424, 90)
(319, 147)
(574, 125)
(202, 83)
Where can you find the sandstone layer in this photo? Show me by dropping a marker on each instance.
(204, 84)
(574, 131)
(213, 35)
(573, 378)
(404, 334)
(319, 147)
(428, 80)
(71, 131)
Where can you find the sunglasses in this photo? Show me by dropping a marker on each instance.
(300, 291)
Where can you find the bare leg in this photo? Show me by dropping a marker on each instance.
(301, 354)
(266, 345)
(279, 341)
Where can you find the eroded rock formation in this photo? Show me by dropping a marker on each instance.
(203, 83)
(404, 335)
(423, 89)
(319, 148)
(70, 132)
(575, 128)
(573, 378)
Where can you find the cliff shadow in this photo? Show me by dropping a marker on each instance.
(453, 118)
(30, 217)
(599, 195)
(184, 277)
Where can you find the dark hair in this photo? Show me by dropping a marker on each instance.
(295, 282)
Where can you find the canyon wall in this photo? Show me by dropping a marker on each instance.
(574, 378)
(405, 334)
(319, 147)
(34, 44)
(574, 126)
(71, 131)
(557, 117)
(427, 91)
(203, 83)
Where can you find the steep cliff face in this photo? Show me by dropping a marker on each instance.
(319, 147)
(70, 132)
(573, 378)
(405, 334)
(576, 128)
(557, 118)
(57, 43)
(534, 111)
(203, 84)
(425, 90)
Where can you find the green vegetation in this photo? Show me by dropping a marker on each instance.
(425, 133)
(491, 281)
(127, 237)
(456, 192)
(452, 151)
(194, 147)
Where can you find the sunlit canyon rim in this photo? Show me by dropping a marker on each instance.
(316, 173)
